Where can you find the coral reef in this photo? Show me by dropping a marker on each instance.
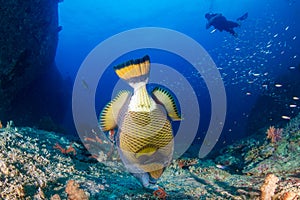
(274, 134)
(70, 149)
(74, 192)
(269, 186)
(273, 103)
(55, 197)
(30, 168)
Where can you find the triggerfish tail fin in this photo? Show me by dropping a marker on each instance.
(157, 173)
(134, 71)
(165, 98)
(109, 115)
(154, 169)
(243, 17)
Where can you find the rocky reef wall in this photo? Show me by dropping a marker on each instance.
(29, 37)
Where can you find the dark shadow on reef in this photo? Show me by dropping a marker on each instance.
(31, 89)
(273, 107)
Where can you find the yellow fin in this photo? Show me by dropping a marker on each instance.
(109, 114)
(164, 97)
(134, 69)
(149, 150)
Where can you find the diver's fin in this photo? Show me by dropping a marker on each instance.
(134, 71)
(109, 114)
(243, 17)
(164, 97)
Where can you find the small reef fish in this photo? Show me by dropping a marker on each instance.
(285, 117)
(296, 98)
(292, 67)
(145, 136)
(221, 166)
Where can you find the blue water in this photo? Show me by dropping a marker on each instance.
(267, 46)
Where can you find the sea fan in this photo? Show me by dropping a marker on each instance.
(274, 134)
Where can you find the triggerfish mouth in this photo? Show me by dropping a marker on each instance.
(145, 136)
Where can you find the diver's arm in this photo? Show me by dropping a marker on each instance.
(208, 25)
(210, 21)
(214, 17)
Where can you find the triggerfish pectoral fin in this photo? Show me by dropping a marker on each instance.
(110, 113)
(165, 98)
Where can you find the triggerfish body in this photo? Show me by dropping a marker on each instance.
(145, 137)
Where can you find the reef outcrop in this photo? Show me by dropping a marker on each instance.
(29, 37)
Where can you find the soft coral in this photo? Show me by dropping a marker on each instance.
(275, 134)
(65, 150)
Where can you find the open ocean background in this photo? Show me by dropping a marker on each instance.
(267, 48)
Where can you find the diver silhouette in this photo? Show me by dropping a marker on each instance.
(219, 22)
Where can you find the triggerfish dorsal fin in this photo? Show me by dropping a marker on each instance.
(164, 97)
(109, 115)
(134, 71)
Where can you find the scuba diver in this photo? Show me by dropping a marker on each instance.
(218, 21)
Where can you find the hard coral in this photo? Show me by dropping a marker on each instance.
(182, 163)
(269, 186)
(289, 196)
(74, 192)
(55, 197)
